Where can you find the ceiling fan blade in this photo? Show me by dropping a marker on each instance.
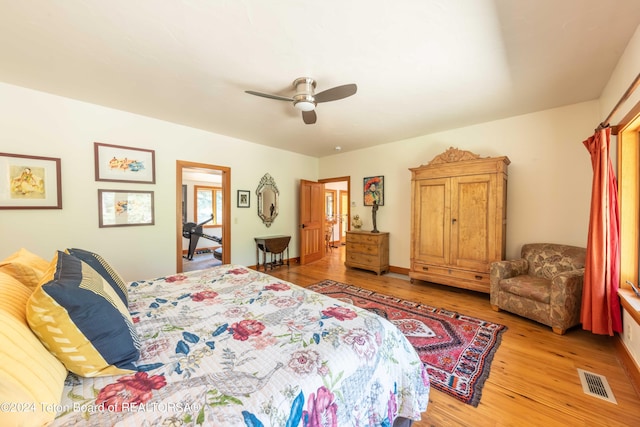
(268, 95)
(309, 117)
(336, 93)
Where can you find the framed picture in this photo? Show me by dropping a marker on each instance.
(30, 182)
(374, 190)
(119, 208)
(124, 164)
(244, 198)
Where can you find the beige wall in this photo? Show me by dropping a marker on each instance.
(549, 185)
(38, 124)
(548, 189)
(625, 72)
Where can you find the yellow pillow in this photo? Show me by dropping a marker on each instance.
(30, 377)
(13, 297)
(26, 267)
(81, 320)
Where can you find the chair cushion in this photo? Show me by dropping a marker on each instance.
(529, 287)
(81, 319)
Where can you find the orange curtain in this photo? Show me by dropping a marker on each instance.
(600, 304)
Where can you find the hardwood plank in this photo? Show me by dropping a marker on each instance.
(533, 379)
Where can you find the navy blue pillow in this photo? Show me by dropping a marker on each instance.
(81, 319)
(103, 268)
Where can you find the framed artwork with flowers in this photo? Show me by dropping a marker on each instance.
(374, 190)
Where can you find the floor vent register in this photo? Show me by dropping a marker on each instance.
(596, 385)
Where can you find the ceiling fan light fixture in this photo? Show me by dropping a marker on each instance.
(305, 105)
(304, 102)
(303, 99)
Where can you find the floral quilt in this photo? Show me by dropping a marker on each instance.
(229, 346)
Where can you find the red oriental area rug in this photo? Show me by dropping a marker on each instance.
(457, 350)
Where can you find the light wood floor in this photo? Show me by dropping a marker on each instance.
(533, 379)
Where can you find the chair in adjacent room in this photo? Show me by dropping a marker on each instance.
(544, 285)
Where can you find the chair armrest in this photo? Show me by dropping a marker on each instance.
(566, 298)
(509, 268)
(567, 283)
(503, 270)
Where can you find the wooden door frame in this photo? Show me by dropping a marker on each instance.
(226, 208)
(342, 230)
(628, 151)
(334, 208)
(342, 179)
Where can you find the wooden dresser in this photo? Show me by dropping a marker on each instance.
(367, 250)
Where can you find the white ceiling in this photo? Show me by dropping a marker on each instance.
(421, 66)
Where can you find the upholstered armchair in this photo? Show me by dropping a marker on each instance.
(544, 285)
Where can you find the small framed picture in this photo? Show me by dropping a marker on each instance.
(30, 182)
(244, 198)
(119, 208)
(124, 164)
(374, 190)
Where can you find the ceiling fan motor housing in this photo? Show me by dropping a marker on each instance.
(303, 99)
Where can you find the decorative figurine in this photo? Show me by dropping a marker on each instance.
(356, 222)
(374, 211)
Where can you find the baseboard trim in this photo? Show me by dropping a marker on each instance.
(398, 270)
(628, 364)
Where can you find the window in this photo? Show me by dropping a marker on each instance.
(208, 202)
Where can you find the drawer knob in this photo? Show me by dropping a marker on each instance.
(478, 277)
(425, 268)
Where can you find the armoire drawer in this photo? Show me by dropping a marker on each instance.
(451, 272)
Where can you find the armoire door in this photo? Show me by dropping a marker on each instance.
(431, 219)
(473, 226)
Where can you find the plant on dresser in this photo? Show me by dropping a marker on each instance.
(458, 219)
(368, 250)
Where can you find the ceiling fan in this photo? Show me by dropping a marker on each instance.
(306, 100)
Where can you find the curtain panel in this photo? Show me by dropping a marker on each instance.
(600, 303)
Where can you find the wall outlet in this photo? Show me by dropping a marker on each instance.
(627, 332)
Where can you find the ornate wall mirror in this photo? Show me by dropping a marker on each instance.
(267, 193)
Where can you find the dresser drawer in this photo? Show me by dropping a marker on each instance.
(363, 249)
(367, 239)
(362, 259)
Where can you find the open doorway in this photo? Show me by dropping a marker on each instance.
(337, 209)
(202, 200)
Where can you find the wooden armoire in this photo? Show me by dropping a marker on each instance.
(458, 218)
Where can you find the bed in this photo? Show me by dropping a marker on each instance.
(230, 346)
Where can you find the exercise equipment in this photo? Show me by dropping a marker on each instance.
(193, 232)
